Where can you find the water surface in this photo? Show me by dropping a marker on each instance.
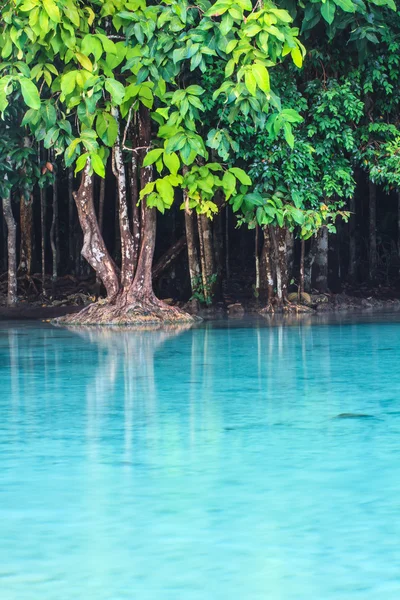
(200, 465)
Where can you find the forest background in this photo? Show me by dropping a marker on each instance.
(204, 153)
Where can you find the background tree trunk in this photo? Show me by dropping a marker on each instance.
(11, 251)
(193, 257)
(352, 273)
(267, 250)
(53, 238)
(26, 230)
(43, 237)
(321, 261)
(372, 231)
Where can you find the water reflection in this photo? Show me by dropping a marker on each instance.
(199, 463)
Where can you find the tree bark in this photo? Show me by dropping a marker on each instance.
(352, 273)
(43, 237)
(26, 228)
(309, 263)
(372, 231)
(267, 250)
(257, 261)
(276, 254)
(206, 257)
(193, 257)
(289, 241)
(53, 237)
(301, 276)
(142, 286)
(134, 191)
(71, 241)
(94, 249)
(172, 253)
(11, 251)
(321, 261)
(128, 258)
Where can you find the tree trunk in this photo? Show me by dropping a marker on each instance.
(257, 262)
(71, 241)
(53, 238)
(301, 276)
(352, 274)
(206, 257)
(276, 254)
(193, 258)
(321, 261)
(26, 228)
(218, 252)
(309, 263)
(227, 265)
(142, 286)
(372, 231)
(128, 258)
(134, 191)
(398, 224)
(267, 251)
(282, 249)
(289, 241)
(11, 251)
(94, 249)
(43, 237)
(172, 253)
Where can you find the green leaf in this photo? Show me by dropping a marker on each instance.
(115, 89)
(261, 76)
(30, 93)
(172, 162)
(152, 156)
(84, 61)
(52, 10)
(166, 191)
(81, 162)
(250, 82)
(297, 57)
(328, 11)
(68, 83)
(346, 5)
(241, 175)
(196, 90)
(98, 165)
(288, 133)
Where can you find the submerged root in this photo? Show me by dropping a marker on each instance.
(151, 311)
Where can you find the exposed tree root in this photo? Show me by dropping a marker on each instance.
(138, 312)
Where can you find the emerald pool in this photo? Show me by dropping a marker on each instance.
(204, 464)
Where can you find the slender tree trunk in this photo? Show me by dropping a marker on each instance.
(302, 257)
(321, 261)
(193, 258)
(134, 190)
(227, 265)
(94, 249)
(398, 224)
(289, 241)
(26, 228)
(282, 248)
(352, 274)
(203, 261)
(268, 264)
(168, 258)
(309, 263)
(276, 254)
(43, 237)
(53, 237)
(142, 286)
(128, 258)
(218, 252)
(372, 231)
(11, 251)
(257, 261)
(71, 203)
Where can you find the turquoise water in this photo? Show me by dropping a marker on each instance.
(201, 464)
